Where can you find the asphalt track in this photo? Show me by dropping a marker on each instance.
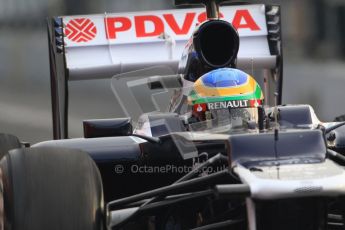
(25, 90)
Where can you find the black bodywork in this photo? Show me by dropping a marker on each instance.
(218, 196)
(122, 149)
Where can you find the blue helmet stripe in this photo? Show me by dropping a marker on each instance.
(225, 77)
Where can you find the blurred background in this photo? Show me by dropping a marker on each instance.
(314, 62)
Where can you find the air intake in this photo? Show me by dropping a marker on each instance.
(217, 43)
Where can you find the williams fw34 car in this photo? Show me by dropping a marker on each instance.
(225, 154)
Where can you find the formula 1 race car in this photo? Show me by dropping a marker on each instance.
(225, 155)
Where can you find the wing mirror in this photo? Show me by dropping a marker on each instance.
(340, 118)
(107, 127)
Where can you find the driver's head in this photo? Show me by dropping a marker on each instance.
(226, 94)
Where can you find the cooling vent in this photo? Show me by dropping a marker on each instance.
(308, 189)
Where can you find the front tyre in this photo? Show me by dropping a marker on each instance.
(51, 188)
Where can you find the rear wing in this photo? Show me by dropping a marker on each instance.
(101, 46)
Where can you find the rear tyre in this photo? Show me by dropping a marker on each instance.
(51, 188)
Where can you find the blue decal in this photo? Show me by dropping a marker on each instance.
(224, 78)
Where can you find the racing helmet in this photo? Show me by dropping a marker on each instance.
(225, 96)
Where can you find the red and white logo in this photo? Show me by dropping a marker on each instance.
(81, 30)
(180, 24)
(255, 103)
(200, 108)
(143, 27)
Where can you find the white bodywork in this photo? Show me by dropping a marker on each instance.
(100, 46)
(292, 181)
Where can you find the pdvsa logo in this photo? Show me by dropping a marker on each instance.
(80, 30)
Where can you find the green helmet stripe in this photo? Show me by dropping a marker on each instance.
(257, 94)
